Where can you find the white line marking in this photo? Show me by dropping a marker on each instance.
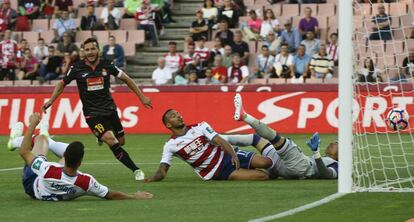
(11, 169)
(300, 209)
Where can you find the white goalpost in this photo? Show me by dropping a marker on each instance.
(373, 157)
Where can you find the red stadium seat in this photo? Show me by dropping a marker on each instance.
(129, 48)
(362, 9)
(120, 35)
(323, 21)
(136, 36)
(82, 35)
(290, 9)
(398, 8)
(31, 36)
(40, 25)
(326, 9)
(259, 81)
(101, 36)
(128, 24)
(47, 36)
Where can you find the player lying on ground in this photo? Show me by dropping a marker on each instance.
(92, 76)
(211, 157)
(45, 180)
(289, 160)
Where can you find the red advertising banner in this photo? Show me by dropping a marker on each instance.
(297, 110)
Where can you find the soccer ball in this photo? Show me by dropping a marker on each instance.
(397, 119)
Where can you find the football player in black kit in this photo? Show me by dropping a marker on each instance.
(92, 76)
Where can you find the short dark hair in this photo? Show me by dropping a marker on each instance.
(164, 116)
(265, 47)
(41, 39)
(172, 43)
(74, 154)
(334, 34)
(51, 47)
(91, 40)
(112, 36)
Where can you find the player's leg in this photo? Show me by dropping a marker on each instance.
(248, 174)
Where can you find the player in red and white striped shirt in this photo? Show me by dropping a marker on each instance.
(211, 157)
(43, 180)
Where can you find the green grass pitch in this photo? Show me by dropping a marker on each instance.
(182, 196)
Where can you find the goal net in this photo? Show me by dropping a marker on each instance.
(383, 38)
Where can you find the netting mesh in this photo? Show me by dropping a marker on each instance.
(383, 38)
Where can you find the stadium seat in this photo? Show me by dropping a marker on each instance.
(258, 81)
(261, 2)
(40, 25)
(136, 36)
(314, 8)
(209, 44)
(6, 83)
(407, 20)
(77, 22)
(326, 9)
(120, 35)
(377, 46)
(394, 47)
(258, 9)
(77, 3)
(332, 2)
(22, 83)
(82, 12)
(47, 36)
(290, 9)
(330, 81)
(363, 9)
(358, 21)
(82, 35)
(128, 24)
(30, 36)
(129, 48)
(295, 21)
(313, 81)
(398, 8)
(98, 11)
(252, 46)
(277, 9)
(296, 81)
(101, 36)
(409, 45)
(277, 81)
(248, 3)
(323, 21)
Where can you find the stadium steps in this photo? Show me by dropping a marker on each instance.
(185, 8)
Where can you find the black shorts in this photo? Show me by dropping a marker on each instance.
(100, 124)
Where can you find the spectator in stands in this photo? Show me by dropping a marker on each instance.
(301, 63)
(67, 46)
(63, 5)
(254, 24)
(270, 24)
(311, 44)
(29, 66)
(8, 16)
(332, 47)
(217, 49)
(130, 7)
(240, 47)
(202, 52)
(114, 52)
(227, 57)
(283, 66)
(290, 36)
(62, 25)
(321, 65)
(229, 13)
(238, 72)
(210, 12)
(369, 73)
(48, 9)
(90, 21)
(264, 63)
(8, 59)
(41, 50)
(21, 47)
(224, 33)
(308, 23)
(82, 54)
(192, 79)
(50, 66)
(66, 63)
(210, 78)
(144, 16)
(408, 65)
(173, 60)
(199, 27)
(189, 56)
(219, 70)
(29, 8)
(111, 16)
(272, 43)
(196, 67)
(382, 25)
(164, 10)
(162, 75)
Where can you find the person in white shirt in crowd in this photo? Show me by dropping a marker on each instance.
(217, 49)
(321, 65)
(283, 66)
(162, 75)
(174, 60)
(272, 42)
(111, 16)
(40, 51)
(332, 47)
(264, 62)
(369, 73)
(311, 44)
(210, 12)
(238, 72)
(270, 24)
(62, 25)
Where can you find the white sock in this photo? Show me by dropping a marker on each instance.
(58, 148)
(239, 140)
(17, 142)
(261, 129)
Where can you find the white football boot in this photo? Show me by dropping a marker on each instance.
(16, 131)
(139, 175)
(238, 108)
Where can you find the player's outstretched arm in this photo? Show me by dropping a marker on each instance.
(56, 93)
(117, 195)
(324, 172)
(228, 148)
(160, 174)
(131, 85)
(26, 147)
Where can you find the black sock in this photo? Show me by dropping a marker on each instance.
(123, 157)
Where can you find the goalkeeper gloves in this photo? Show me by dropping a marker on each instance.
(314, 143)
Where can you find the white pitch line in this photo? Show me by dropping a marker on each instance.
(299, 209)
(11, 169)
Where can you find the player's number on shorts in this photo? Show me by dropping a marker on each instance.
(100, 128)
